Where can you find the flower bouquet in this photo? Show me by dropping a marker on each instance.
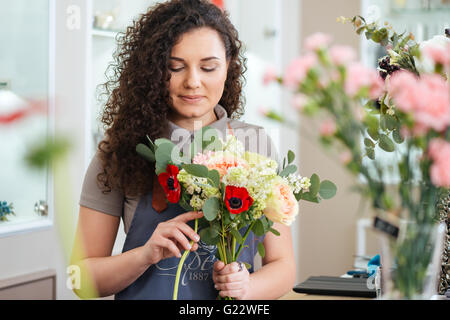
(236, 190)
(402, 110)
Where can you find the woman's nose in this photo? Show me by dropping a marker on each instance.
(192, 80)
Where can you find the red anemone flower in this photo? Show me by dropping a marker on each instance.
(170, 184)
(237, 199)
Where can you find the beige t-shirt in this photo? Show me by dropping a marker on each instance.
(117, 204)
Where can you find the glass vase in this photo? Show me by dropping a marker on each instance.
(411, 263)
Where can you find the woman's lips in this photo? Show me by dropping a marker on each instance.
(191, 99)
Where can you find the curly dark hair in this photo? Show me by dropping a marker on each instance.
(138, 99)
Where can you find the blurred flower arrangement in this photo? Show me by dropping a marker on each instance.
(403, 108)
(238, 191)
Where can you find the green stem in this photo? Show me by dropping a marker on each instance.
(180, 265)
(241, 246)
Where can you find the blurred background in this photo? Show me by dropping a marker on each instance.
(56, 53)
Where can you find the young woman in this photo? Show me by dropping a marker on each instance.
(179, 69)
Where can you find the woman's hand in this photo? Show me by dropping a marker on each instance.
(232, 280)
(170, 238)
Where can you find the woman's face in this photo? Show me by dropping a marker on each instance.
(198, 68)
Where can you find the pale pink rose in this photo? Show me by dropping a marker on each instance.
(342, 55)
(345, 157)
(327, 128)
(299, 101)
(298, 69)
(359, 76)
(317, 41)
(270, 75)
(281, 205)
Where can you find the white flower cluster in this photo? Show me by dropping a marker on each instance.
(197, 187)
(297, 183)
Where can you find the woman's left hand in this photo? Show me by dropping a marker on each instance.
(232, 280)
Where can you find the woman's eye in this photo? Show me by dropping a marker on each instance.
(176, 69)
(208, 70)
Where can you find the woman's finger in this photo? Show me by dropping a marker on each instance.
(169, 245)
(179, 237)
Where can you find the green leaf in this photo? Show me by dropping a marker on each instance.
(370, 153)
(248, 265)
(209, 235)
(237, 235)
(386, 143)
(309, 197)
(197, 170)
(288, 170)
(369, 143)
(261, 250)
(397, 136)
(215, 177)
(327, 189)
(211, 208)
(163, 156)
(274, 231)
(145, 152)
(315, 185)
(291, 156)
(258, 228)
(373, 133)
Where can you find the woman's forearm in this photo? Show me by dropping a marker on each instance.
(110, 275)
(272, 281)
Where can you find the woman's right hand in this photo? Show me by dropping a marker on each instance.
(170, 238)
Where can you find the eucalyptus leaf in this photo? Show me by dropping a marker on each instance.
(291, 156)
(397, 136)
(288, 170)
(327, 189)
(215, 177)
(369, 143)
(211, 208)
(145, 152)
(197, 170)
(370, 153)
(386, 143)
(315, 185)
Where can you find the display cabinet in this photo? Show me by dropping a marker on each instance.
(26, 76)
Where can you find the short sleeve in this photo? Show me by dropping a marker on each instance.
(92, 196)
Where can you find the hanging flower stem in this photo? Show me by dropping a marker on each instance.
(180, 265)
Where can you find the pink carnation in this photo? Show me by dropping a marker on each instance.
(299, 101)
(270, 75)
(342, 55)
(203, 159)
(327, 128)
(316, 41)
(298, 69)
(427, 98)
(359, 76)
(439, 152)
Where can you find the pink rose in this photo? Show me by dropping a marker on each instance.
(438, 54)
(281, 205)
(298, 69)
(342, 55)
(317, 41)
